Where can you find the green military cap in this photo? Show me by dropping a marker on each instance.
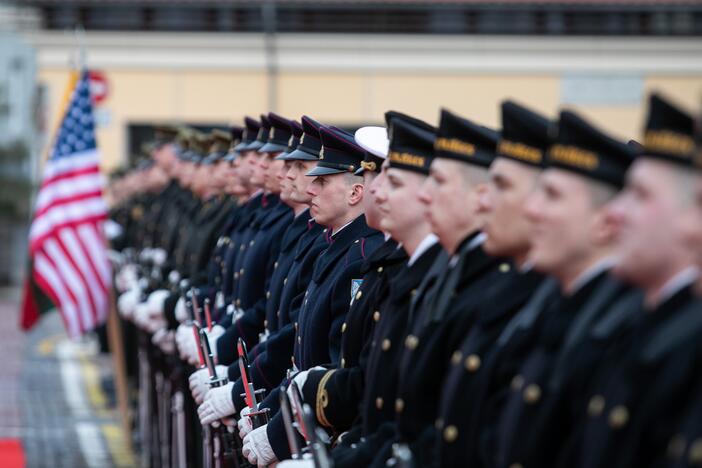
(182, 142)
(164, 134)
(221, 141)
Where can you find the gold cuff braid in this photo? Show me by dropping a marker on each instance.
(323, 400)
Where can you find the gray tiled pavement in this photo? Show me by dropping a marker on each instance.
(56, 431)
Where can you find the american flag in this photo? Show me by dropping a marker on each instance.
(66, 240)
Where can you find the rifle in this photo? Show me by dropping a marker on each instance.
(224, 448)
(296, 403)
(318, 439)
(286, 412)
(258, 417)
(197, 317)
(179, 450)
(207, 452)
(208, 314)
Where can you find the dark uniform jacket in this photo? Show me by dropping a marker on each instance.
(255, 274)
(685, 445)
(434, 332)
(271, 358)
(328, 296)
(203, 247)
(532, 422)
(342, 384)
(248, 213)
(641, 386)
(380, 365)
(463, 387)
(325, 305)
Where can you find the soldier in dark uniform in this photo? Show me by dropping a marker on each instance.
(253, 216)
(345, 376)
(640, 386)
(263, 249)
(272, 358)
(352, 335)
(337, 202)
(456, 178)
(259, 250)
(572, 241)
(512, 177)
(403, 219)
(289, 278)
(685, 446)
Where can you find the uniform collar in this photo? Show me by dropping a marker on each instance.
(423, 246)
(471, 243)
(680, 280)
(306, 213)
(336, 234)
(590, 273)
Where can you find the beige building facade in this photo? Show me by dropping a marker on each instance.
(353, 79)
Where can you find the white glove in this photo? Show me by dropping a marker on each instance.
(156, 301)
(158, 256)
(257, 449)
(244, 423)
(155, 319)
(145, 254)
(127, 277)
(164, 339)
(305, 463)
(181, 312)
(141, 315)
(300, 379)
(174, 277)
(213, 335)
(217, 404)
(200, 382)
(128, 301)
(187, 347)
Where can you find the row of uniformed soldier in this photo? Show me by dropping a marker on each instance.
(440, 296)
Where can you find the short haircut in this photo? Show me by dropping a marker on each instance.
(601, 193)
(473, 175)
(350, 178)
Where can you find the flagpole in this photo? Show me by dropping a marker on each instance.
(80, 60)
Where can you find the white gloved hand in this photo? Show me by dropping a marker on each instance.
(141, 315)
(174, 277)
(187, 346)
(300, 378)
(127, 302)
(212, 336)
(146, 321)
(181, 311)
(217, 404)
(158, 256)
(257, 449)
(305, 463)
(156, 301)
(154, 309)
(244, 423)
(199, 382)
(126, 278)
(164, 339)
(145, 255)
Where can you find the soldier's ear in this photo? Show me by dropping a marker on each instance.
(355, 194)
(604, 227)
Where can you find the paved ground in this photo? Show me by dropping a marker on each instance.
(52, 397)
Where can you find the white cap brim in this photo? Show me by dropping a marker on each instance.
(374, 140)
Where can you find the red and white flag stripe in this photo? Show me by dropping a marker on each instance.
(67, 241)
